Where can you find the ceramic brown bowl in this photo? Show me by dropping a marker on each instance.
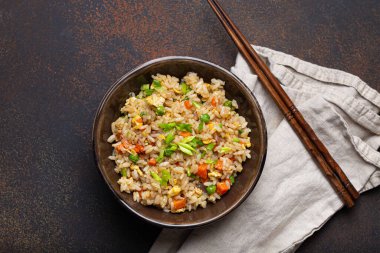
(109, 111)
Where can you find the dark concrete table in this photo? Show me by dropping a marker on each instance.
(58, 58)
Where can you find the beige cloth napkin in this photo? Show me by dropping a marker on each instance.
(293, 198)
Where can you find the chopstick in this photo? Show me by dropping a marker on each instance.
(317, 149)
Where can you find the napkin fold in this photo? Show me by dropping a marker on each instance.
(293, 198)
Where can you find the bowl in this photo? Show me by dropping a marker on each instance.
(109, 111)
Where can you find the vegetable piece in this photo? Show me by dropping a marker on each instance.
(240, 131)
(152, 162)
(165, 176)
(144, 87)
(170, 149)
(119, 149)
(157, 84)
(179, 203)
(184, 127)
(210, 146)
(211, 189)
(203, 154)
(225, 149)
(213, 101)
(219, 165)
(160, 110)
(185, 134)
(205, 118)
(196, 142)
(196, 104)
(188, 105)
(167, 127)
(186, 146)
(138, 119)
(155, 176)
(185, 150)
(142, 113)
(236, 140)
(139, 149)
(209, 161)
(187, 139)
(169, 138)
(148, 92)
(184, 88)
(232, 180)
(202, 170)
(228, 103)
(200, 127)
(188, 172)
(222, 188)
(134, 158)
(160, 157)
(123, 172)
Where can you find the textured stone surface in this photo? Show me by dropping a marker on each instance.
(57, 58)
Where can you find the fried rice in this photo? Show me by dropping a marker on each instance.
(179, 143)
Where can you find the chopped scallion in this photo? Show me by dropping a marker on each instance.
(225, 149)
(205, 118)
(210, 146)
(155, 176)
(156, 84)
(169, 138)
(134, 158)
(160, 110)
(196, 104)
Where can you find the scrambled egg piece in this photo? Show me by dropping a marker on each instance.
(137, 120)
(174, 191)
(208, 141)
(135, 167)
(155, 100)
(214, 174)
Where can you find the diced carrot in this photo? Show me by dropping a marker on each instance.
(139, 149)
(222, 188)
(184, 134)
(213, 101)
(119, 148)
(125, 143)
(179, 203)
(219, 165)
(139, 120)
(152, 162)
(188, 104)
(202, 170)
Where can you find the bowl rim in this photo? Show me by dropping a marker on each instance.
(120, 200)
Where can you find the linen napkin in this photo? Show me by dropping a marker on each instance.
(293, 198)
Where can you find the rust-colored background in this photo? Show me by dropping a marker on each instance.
(57, 58)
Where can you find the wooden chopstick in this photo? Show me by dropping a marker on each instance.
(328, 165)
(299, 117)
